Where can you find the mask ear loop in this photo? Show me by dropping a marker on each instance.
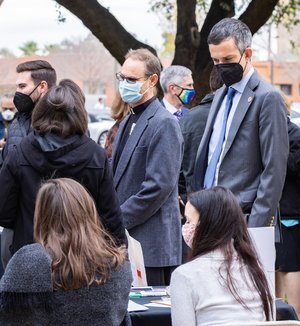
(35, 88)
(147, 88)
(241, 59)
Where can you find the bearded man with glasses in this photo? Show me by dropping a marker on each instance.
(147, 155)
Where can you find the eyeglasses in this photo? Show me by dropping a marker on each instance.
(130, 80)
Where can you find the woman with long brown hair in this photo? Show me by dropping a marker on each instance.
(224, 281)
(57, 147)
(75, 274)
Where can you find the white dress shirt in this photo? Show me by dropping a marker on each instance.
(169, 106)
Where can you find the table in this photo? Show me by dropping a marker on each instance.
(155, 316)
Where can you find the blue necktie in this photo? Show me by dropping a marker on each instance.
(178, 114)
(211, 168)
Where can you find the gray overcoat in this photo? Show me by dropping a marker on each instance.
(146, 181)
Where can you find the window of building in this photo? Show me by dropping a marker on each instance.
(286, 89)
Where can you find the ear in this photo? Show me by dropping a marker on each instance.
(172, 89)
(44, 86)
(248, 54)
(153, 80)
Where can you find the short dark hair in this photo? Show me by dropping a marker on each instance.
(40, 70)
(61, 111)
(151, 62)
(231, 28)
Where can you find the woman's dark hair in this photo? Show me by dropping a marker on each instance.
(61, 111)
(221, 223)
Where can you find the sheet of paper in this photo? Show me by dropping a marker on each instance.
(264, 242)
(132, 306)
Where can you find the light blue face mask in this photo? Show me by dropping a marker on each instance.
(130, 92)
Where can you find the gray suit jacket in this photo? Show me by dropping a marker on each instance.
(146, 180)
(253, 164)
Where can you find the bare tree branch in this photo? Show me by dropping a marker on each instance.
(104, 26)
(258, 13)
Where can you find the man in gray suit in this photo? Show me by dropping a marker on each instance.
(146, 160)
(245, 142)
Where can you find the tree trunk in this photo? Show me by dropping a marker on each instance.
(187, 37)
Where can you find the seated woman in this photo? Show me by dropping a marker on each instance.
(224, 282)
(75, 274)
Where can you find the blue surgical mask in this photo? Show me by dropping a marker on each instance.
(130, 92)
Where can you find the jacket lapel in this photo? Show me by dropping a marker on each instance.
(211, 119)
(241, 110)
(133, 140)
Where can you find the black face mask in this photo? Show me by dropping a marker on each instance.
(230, 73)
(23, 102)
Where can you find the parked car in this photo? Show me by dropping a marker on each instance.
(295, 115)
(98, 127)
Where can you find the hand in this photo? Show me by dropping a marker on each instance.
(2, 142)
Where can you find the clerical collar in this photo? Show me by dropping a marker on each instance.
(142, 107)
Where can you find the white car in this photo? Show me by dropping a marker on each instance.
(99, 127)
(295, 114)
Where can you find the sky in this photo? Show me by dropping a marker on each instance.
(36, 20)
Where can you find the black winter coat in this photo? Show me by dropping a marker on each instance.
(192, 127)
(19, 129)
(290, 199)
(27, 165)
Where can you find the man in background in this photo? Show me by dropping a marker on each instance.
(8, 111)
(178, 87)
(34, 78)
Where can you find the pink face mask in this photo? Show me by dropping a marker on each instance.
(188, 231)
